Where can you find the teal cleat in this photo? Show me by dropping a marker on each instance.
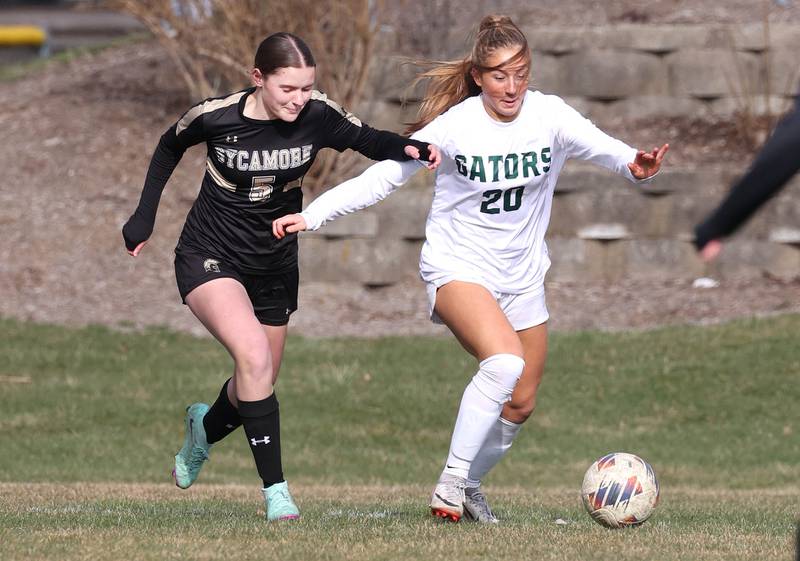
(195, 448)
(280, 505)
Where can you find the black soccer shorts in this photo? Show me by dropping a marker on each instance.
(274, 295)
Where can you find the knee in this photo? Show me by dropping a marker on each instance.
(518, 411)
(254, 364)
(498, 376)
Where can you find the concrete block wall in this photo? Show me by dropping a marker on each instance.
(699, 69)
(602, 227)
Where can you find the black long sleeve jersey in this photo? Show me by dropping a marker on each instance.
(775, 164)
(254, 174)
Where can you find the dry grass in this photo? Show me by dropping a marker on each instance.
(145, 521)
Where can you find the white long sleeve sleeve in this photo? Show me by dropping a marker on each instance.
(585, 141)
(375, 184)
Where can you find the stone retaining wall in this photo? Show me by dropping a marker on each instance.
(603, 227)
(643, 70)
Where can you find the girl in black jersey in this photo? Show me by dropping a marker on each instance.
(239, 280)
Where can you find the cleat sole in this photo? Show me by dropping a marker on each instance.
(445, 514)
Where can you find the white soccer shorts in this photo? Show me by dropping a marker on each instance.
(524, 310)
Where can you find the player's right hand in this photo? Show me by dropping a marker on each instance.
(288, 224)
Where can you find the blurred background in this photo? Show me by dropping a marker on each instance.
(87, 88)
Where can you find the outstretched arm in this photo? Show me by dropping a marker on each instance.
(375, 184)
(345, 130)
(585, 141)
(771, 170)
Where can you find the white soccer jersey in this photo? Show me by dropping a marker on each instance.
(493, 190)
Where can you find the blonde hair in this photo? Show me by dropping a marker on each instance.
(451, 82)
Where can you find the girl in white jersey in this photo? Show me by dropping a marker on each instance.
(485, 258)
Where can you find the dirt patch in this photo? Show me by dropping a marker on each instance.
(346, 310)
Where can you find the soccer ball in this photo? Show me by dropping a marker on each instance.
(620, 490)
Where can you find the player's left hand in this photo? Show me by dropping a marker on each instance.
(646, 164)
(136, 250)
(435, 156)
(711, 250)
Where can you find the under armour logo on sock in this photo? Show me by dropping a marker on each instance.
(255, 442)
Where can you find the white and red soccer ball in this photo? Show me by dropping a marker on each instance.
(620, 490)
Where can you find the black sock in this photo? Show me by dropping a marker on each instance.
(222, 419)
(263, 429)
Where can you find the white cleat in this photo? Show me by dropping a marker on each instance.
(476, 508)
(447, 500)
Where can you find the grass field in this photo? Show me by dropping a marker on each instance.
(90, 418)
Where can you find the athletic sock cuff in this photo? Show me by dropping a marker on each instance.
(508, 423)
(260, 408)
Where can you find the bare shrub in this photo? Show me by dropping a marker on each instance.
(213, 43)
(755, 121)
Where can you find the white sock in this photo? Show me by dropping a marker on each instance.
(480, 408)
(497, 443)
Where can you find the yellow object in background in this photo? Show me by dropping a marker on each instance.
(22, 35)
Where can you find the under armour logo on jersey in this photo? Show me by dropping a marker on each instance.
(256, 442)
(233, 138)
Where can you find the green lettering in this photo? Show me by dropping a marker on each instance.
(512, 166)
(529, 162)
(490, 197)
(461, 164)
(477, 169)
(512, 199)
(495, 167)
(546, 158)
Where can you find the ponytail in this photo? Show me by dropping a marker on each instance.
(451, 82)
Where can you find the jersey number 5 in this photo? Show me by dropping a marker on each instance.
(261, 188)
(512, 200)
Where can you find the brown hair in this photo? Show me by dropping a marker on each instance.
(282, 50)
(451, 82)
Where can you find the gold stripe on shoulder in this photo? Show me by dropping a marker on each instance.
(217, 176)
(319, 96)
(206, 107)
(296, 184)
